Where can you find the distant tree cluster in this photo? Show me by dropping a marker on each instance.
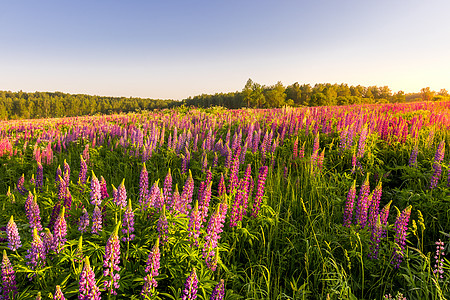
(20, 105)
(255, 95)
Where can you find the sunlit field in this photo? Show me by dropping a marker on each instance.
(348, 202)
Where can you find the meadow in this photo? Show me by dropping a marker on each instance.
(339, 202)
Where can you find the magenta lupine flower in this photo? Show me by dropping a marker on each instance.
(244, 190)
(195, 223)
(260, 190)
(295, 149)
(120, 197)
(54, 215)
(36, 254)
(401, 226)
(302, 151)
(190, 287)
(203, 185)
(185, 161)
(375, 239)
(234, 169)
(153, 196)
(84, 221)
(48, 241)
(66, 173)
(221, 189)
(348, 212)
(143, 187)
(218, 292)
(68, 200)
(96, 220)
(20, 185)
(439, 259)
(167, 188)
(32, 211)
(83, 171)
(103, 188)
(128, 223)
(152, 270)
(362, 203)
(59, 175)
(9, 285)
(163, 226)
(215, 160)
(88, 289)
(374, 207)
(362, 141)
(177, 203)
(12, 233)
(111, 262)
(39, 176)
(204, 202)
(58, 294)
(235, 208)
(60, 231)
(413, 158)
(96, 194)
(187, 193)
(212, 237)
(62, 189)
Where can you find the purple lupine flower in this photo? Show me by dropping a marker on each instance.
(362, 141)
(59, 175)
(68, 199)
(88, 289)
(295, 149)
(316, 144)
(215, 160)
(190, 287)
(234, 169)
(195, 223)
(120, 197)
(185, 161)
(301, 154)
(66, 173)
(401, 226)
(62, 189)
(204, 202)
(375, 239)
(177, 202)
(374, 207)
(167, 188)
(362, 204)
(60, 231)
(244, 190)
(12, 233)
(436, 174)
(153, 196)
(413, 158)
(143, 187)
(218, 292)
(128, 223)
(203, 185)
(152, 270)
(54, 215)
(20, 185)
(163, 226)
(187, 193)
(9, 284)
(32, 211)
(84, 221)
(36, 254)
(39, 176)
(48, 241)
(96, 194)
(348, 213)
(438, 269)
(83, 171)
(103, 188)
(58, 294)
(221, 189)
(96, 220)
(212, 237)
(440, 152)
(111, 262)
(260, 190)
(234, 218)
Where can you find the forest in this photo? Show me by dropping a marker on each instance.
(23, 105)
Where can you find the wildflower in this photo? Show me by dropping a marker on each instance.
(103, 188)
(120, 197)
(88, 289)
(128, 223)
(79, 257)
(187, 193)
(152, 270)
(190, 287)
(439, 258)
(58, 294)
(295, 149)
(260, 190)
(13, 235)
(401, 226)
(167, 189)
(362, 141)
(60, 231)
(204, 202)
(143, 186)
(97, 220)
(59, 175)
(39, 176)
(436, 174)
(348, 213)
(440, 152)
(96, 195)
(221, 190)
(20, 185)
(36, 254)
(83, 171)
(362, 203)
(195, 223)
(375, 239)
(48, 241)
(84, 221)
(413, 158)
(111, 262)
(33, 212)
(9, 284)
(163, 226)
(218, 292)
(68, 199)
(212, 237)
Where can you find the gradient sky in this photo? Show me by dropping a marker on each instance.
(176, 49)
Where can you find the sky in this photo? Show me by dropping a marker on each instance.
(175, 49)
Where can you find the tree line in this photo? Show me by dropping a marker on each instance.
(22, 105)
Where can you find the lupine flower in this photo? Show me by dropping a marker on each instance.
(375, 239)
(111, 262)
(348, 213)
(413, 158)
(260, 190)
(212, 237)
(58, 294)
(128, 223)
(66, 173)
(120, 197)
(13, 235)
(439, 258)
(234, 218)
(187, 193)
(375, 205)
(204, 202)
(84, 221)
(48, 241)
(20, 185)
(38, 296)
(36, 254)
(9, 284)
(167, 188)
(301, 154)
(362, 141)
(152, 270)
(83, 171)
(54, 215)
(39, 176)
(218, 292)
(362, 203)
(234, 169)
(96, 220)
(440, 152)
(103, 188)
(436, 174)
(177, 203)
(384, 214)
(401, 226)
(60, 231)
(295, 149)
(143, 186)
(79, 256)
(59, 175)
(163, 226)
(68, 200)
(195, 223)
(33, 212)
(96, 194)
(88, 289)
(190, 287)
(221, 189)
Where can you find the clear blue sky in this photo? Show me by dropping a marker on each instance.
(175, 49)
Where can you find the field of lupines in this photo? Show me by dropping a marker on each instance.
(309, 203)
